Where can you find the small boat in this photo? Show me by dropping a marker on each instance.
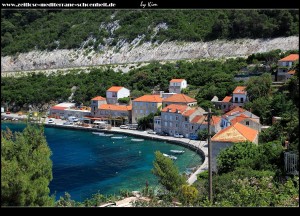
(118, 137)
(97, 133)
(170, 156)
(177, 151)
(137, 140)
(106, 135)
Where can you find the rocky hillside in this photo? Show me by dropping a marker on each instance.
(129, 53)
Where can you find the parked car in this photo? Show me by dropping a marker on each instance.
(123, 126)
(72, 119)
(163, 134)
(50, 121)
(177, 135)
(68, 123)
(151, 132)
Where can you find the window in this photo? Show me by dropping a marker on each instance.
(170, 118)
(166, 124)
(141, 111)
(236, 99)
(224, 106)
(176, 118)
(171, 125)
(242, 100)
(186, 119)
(247, 122)
(176, 125)
(192, 127)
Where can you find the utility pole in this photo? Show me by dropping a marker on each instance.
(209, 155)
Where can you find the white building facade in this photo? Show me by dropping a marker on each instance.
(116, 92)
(176, 85)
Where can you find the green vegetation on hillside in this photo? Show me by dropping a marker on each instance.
(206, 79)
(26, 30)
(248, 175)
(26, 168)
(202, 75)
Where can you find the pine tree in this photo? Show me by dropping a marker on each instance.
(26, 168)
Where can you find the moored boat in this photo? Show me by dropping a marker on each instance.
(177, 151)
(170, 156)
(137, 140)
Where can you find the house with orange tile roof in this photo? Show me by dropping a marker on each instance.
(95, 104)
(238, 98)
(116, 114)
(250, 122)
(116, 92)
(144, 105)
(65, 110)
(176, 85)
(284, 67)
(241, 115)
(179, 99)
(176, 118)
(229, 136)
(199, 122)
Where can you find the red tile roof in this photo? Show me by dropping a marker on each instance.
(149, 98)
(98, 98)
(58, 108)
(227, 99)
(115, 88)
(179, 98)
(216, 120)
(174, 107)
(235, 110)
(177, 80)
(240, 90)
(189, 112)
(114, 107)
(239, 118)
(198, 119)
(292, 72)
(291, 57)
(236, 133)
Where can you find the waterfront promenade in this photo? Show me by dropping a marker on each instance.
(199, 147)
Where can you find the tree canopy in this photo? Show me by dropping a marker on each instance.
(26, 168)
(27, 30)
(167, 173)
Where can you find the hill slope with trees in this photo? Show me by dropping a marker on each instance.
(27, 30)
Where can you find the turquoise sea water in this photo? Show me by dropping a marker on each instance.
(85, 163)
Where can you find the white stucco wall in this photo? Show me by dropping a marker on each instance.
(123, 92)
(239, 96)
